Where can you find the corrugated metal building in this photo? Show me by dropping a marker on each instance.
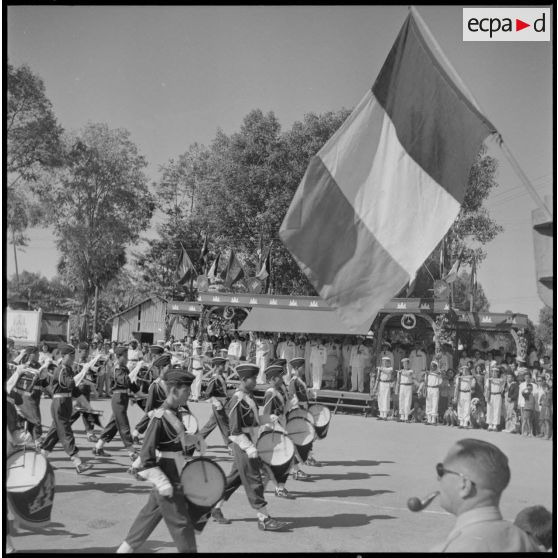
(145, 321)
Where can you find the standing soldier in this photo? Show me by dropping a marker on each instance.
(318, 358)
(404, 387)
(287, 351)
(166, 435)
(432, 381)
(195, 368)
(119, 422)
(464, 384)
(359, 360)
(346, 361)
(332, 366)
(493, 395)
(511, 393)
(61, 408)
(263, 351)
(383, 387)
(244, 427)
(216, 392)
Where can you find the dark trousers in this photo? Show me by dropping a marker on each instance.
(84, 401)
(61, 429)
(174, 511)
(246, 472)
(31, 411)
(118, 421)
(527, 422)
(219, 419)
(442, 405)
(141, 426)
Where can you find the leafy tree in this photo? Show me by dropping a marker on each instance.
(461, 290)
(99, 205)
(33, 147)
(544, 332)
(39, 292)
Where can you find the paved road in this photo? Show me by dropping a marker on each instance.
(355, 503)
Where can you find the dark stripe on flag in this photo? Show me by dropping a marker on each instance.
(434, 121)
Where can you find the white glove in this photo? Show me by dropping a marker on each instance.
(273, 418)
(159, 479)
(252, 452)
(217, 404)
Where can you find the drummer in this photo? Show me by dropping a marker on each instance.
(246, 469)
(82, 393)
(216, 392)
(298, 393)
(165, 433)
(273, 411)
(61, 409)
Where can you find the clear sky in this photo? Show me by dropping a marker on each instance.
(172, 75)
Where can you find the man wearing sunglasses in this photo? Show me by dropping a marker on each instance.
(471, 479)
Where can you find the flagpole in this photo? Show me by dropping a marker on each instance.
(511, 159)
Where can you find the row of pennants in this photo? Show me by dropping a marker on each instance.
(232, 273)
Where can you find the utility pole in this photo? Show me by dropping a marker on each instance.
(95, 311)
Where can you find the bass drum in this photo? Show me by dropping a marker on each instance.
(277, 451)
(203, 483)
(322, 418)
(30, 488)
(302, 433)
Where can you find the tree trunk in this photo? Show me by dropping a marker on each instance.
(96, 310)
(15, 259)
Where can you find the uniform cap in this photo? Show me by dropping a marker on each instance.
(156, 350)
(386, 344)
(65, 349)
(273, 371)
(247, 370)
(215, 361)
(121, 350)
(405, 360)
(280, 361)
(162, 360)
(179, 375)
(386, 358)
(83, 345)
(296, 362)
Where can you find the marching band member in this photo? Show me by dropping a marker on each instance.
(31, 401)
(216, 392)
(298, 392)
(156, 394)
(61, 408)
(121, 386)
(83, 393)
(383, 387)
(273, 411)
(432, 381)
(246, 469)
(404, 387)
(318, 358)
(359, 360)
(464, 384)
(493, 395)
(165, 434)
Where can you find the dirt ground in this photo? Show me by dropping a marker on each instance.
(356, 502)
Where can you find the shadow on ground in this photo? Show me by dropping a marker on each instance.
(347, 493)
(109, 488)
(355, 463)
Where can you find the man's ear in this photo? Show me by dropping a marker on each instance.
(467, 488)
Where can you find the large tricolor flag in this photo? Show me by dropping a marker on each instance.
(384, 190)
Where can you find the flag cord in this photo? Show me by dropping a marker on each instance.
(522, 176)
(426, 267)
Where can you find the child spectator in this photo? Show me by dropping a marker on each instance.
(450, 416)
(527, 410)
(417, 414)
(536, 521)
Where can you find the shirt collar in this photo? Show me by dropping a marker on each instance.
(477, 515)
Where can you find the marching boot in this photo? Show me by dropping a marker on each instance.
(124, 548)
(217, 515)
(270, 524)
(282, 492)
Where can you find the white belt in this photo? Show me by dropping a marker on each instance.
(61, 395)
(168, 454)
(121, 391)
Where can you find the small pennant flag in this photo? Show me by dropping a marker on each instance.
(407, 148)
(204, 254)
(233, 272)
(212, 273)
(185, 269)
(265, 266)
(452, 273)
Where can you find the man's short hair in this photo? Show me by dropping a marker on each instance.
(536, 521)
(488, 463)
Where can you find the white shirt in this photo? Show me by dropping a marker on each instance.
(417, 360)
(235, 349)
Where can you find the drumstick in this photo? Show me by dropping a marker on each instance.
(33, 466)
(204, 471)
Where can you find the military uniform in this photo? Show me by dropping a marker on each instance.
(359, 359)
(404, 388)
(463, 387)
(432, 379)
(383, 387)
(165, 434)
(216, 391)
(82, 394)
(121, 388)
(62, 385)
(196, 368)
(494, 395)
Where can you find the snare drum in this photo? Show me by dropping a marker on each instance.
(322, 418)
(277, 451)
(300, 413)
(30, 488)
(26, 381)
(302, 433)
(203, 483)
